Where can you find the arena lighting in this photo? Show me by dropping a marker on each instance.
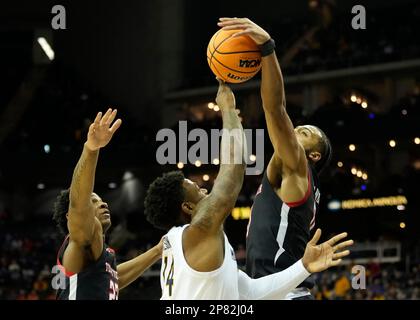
(46, 47)
(40, 186)
(339, 164)
(374, 202)
(401, 207)
(112, 185)
(364, 176)
(353, 98)
(241, 213)
(363, 187)
(216, 108)
(352, 147)
(47, 148)
(334, 205)
(392, 143)
(253, 157)
(180, 165)
(216, 161)
(417, 140)
(206, 177)
(359, 100)
(128, 175)
(404, 112)
(402, 225)
(371, 116)
(353, 171)
(364, 105)
(197, 163)
(359, 174)
(210, 105)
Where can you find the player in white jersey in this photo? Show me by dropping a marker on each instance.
(197, 260)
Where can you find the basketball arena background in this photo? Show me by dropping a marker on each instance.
(148, 59)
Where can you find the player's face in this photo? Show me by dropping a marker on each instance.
(193, 192)
(308, 136)
(101, 211)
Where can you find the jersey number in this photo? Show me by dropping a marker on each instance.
(113, 290)
(170, 277)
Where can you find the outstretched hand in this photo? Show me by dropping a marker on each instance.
(320, 257)
(247, 27)
(101, 131)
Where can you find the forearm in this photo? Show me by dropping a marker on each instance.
(129, 271)
(274, 286)
(213, 210)
(272, 84)
(83, 179)
(233, 153)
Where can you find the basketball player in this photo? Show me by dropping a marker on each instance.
(85, 259)
(286, 203)
(197, 261)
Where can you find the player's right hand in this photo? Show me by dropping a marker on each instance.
(101, 131)
(225, 98)
(247, 27)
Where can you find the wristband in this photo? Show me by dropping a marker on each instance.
(267, 47)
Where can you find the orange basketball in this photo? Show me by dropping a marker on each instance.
(233, 60)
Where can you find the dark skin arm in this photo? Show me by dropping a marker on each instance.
(288, 166)
(203, 240)
(86, 234)
(130, 270)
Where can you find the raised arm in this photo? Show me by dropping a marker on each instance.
(130, 270)
(213, 210)
(287, 150)
(81, 216)
(317, 258)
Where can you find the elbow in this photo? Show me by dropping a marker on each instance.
(78, 202)
(226, 202)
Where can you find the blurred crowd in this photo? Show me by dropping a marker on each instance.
(26, 261)
(383, 282)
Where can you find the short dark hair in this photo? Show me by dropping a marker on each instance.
(325, 148)
(163, 200)
(61, 207)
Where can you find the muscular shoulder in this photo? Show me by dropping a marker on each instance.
(79, 254)
(202, 251)
(290, 185)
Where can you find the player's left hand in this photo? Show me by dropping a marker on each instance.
(102, 130)
(320, 257)
(249, 28)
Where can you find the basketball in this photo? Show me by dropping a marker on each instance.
(233, 60)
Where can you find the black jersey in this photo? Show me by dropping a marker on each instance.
(99, 281)
(278, 231)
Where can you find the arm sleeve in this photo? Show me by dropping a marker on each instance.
(273, 286)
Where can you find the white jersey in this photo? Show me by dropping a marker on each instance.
(180, 282)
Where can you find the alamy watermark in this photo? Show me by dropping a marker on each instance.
(206, 149)
(359, 20)
(59, 20)
(58, 281)
(358, 281)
